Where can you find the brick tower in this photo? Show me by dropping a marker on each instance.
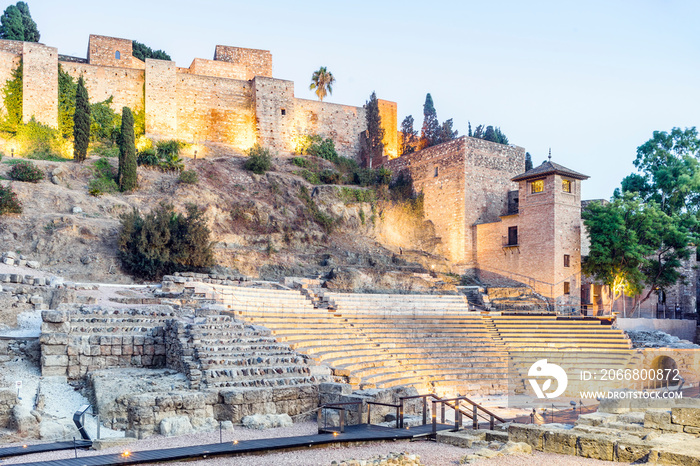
(549, 230)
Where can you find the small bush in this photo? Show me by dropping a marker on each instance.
(26, 171)
(100, 186)
(148, 157)
(105, 150)
(169, 155)
(38, 141)
(325, 221)
(9, 204)
(329, 177)
(259, 160)
(308, 175)
(189, 177)
(371, 176)
(353, 195)
(164, 241)
(300, 162)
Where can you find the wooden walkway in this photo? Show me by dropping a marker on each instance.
(356, 433)
(42, 447)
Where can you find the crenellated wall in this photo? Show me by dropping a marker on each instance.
(231, 101)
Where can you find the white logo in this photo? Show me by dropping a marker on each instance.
(541, 369)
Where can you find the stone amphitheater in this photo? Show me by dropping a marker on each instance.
(201, 349)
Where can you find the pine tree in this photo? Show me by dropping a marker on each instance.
(528, 161)
(490, 134)
(430, 131)
(409, 136)
(31, 31)
(375, 132)
(446, 133)
(81, 122)
(16, 23)
(128, 180)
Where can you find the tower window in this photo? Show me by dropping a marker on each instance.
(567, 259)
(117, 55)
(436, 172)
(537, 186)
(284, 111)
(566, 186)
(567, 288)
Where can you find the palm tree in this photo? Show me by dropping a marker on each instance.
(322, 80)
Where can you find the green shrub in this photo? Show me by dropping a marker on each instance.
(26, 171)
(105, 150)
(169, 155)
(38, 141)
(300, 162)
(147, 157)
(329, 177)
(105, 178)
(9, 204)
(164, 241)
(259, 159)
(308, 175)
(353, 195)
(100, 186)
(371, 176)
(105, 123)
(189, 177)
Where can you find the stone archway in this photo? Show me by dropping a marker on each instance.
(670, 370)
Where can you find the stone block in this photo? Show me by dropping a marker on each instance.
(533, 435)
(597, 446)
(53, 350)
(54, 339)
(563, 442)
(55, 317)
(50, 371)
(48, 327)
(53, 360)
(631, 450)
(8, 261)
(686, 416)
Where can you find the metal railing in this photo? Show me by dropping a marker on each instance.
(462, 406)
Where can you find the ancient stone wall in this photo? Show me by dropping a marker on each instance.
(465, 182)
(8, 400)
(218, 69)
(274, 110)
(112, 51)
(215, 109)
(124, 84)
(12, 46)
(342, 123)
(40, 83)
(161, 98)
(255, 62)
(75, 341)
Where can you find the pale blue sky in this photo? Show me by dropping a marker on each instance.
(592, 80)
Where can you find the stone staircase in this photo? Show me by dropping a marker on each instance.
(229, 353)
(574, 344)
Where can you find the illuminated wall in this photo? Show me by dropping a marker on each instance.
(387, 113)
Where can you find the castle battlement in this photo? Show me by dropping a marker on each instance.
(232, 100)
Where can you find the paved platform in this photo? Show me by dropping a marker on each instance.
(358, 433)
(42, 447)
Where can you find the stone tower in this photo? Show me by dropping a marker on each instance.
(549, 230)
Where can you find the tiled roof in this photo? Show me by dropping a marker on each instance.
(548, 168)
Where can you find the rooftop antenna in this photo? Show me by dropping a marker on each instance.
(550, 154)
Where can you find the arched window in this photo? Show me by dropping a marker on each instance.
(117, 55)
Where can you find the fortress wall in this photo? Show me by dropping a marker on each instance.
(40, 83)
(443, 194)
(274, 110)
(161, 98)
(8, 62)
(255, 62)
(216, 110)
(342, 123)
(102, 52)
(220, 69)
(125, 84)
(387, 113)
(11, 46)
(490, 254)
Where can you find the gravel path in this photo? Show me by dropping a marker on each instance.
(432, 454)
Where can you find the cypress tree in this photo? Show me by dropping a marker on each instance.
(31, 31)
(128, 180)
(430, 132)
(375, 132)
(408, 136)
(81, 122)
(11, 24)
(528, 161)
